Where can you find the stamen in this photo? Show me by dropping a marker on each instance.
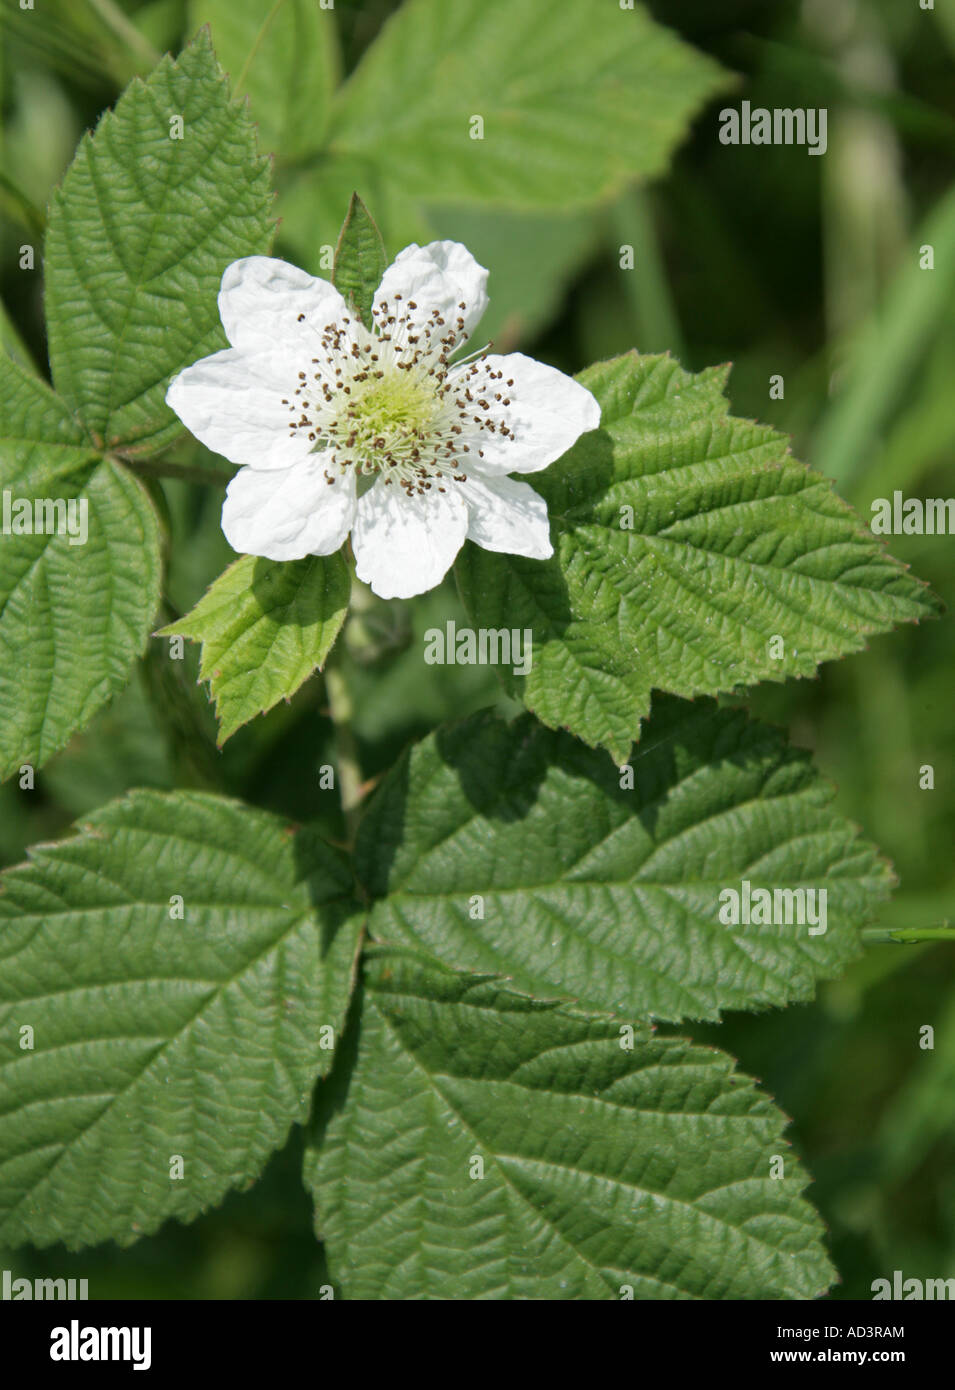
(391, 402)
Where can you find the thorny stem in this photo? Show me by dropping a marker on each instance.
(349, 768)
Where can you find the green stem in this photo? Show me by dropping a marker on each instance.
(349, 768)
(877, 936)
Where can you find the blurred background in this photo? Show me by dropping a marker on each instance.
(782, 263)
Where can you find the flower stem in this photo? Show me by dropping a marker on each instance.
(907, 936)
(349, 768)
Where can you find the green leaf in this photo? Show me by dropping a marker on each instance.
(729, 543)
(576, 100)
(282, 54)
(140, 232)
(609, 895)
(264, 628)
(153, 1036)
(73, 617)
(360, 259)
(608, 1171)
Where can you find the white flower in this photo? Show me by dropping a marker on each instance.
(377, 433)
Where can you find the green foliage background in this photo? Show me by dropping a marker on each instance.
(766, 257)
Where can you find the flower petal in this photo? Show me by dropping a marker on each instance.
(287, 514)
(442, 275)
(232, 402)
(261, 298)
(406, 545)
(508, 516)
(548, 412)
